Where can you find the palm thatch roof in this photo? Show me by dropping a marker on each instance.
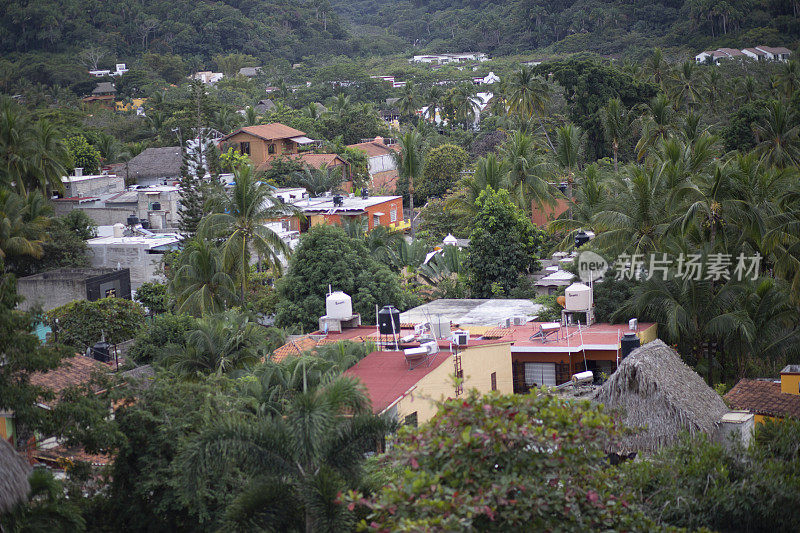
(659, 397)
(14, 472)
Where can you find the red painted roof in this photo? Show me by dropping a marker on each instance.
(317, 160)
(375, 147)
(387, 377)
(73, 371)
(595, 336)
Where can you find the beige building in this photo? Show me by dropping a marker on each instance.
(80, 186)
(411, 392)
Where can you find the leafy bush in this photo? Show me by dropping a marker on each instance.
(161, 334)
(153, 296)
(82, 323)
(497, 463)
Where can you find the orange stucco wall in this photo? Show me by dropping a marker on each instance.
(384, 220)
(259, 152)
(543, 215)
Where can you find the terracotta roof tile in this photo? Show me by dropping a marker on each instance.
(276, 130)
(375, 148)
(763, 398)
(73, 371)
(295, 347)
(62, 456)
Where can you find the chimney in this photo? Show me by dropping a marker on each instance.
(790, 380)
(78, 172)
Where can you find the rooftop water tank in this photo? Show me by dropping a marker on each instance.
(119, 230)
(628, 344)
(388, 320)
(581, 238)
(338, 305)
(578, 297)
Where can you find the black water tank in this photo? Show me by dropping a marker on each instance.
(364, 193)
(628, 344)
(563, 187)
(101, 351)
(338, 200)
(133, 220)
(145, 224)
(386, 317)
(581, 238)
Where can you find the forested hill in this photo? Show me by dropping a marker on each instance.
(603, 26)
(282, 28)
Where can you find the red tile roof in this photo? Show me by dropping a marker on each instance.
(387, 377)
(269, 132)
(62, 456)
(375, 147)
(763, 398)
(317, 160)
(295, 347)
(73, 371)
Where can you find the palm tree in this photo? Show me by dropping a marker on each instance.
(298, 461)
(408, 103)
(226, 121)
(616, 126)
(789, 78)
(690, 313)
(49, 158)
(318, 180)
(526, 172)
(685, 88)
(23, 223)
(636, 217)
(489, 172)
(15, 136)
(528, 95)
(433, 101)
(656, 67)
(241, 227)
(201, 286)
(341, 105)
(568, 149)
(464, 103)
(409, 165)
(221, 343)
(590, 196)
(656, 124)
(312, 110)
(778, 136)
(251, 116)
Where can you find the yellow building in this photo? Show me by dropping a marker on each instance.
(134, 103)
(775, 399)
(410, 392)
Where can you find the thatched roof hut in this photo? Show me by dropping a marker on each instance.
(14, 472)
(659, 396)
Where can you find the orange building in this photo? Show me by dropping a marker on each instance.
(543, 215)
(377, 210)
(268, 142)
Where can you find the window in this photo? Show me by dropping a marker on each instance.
(411, 420)
(393, 215)
(494, 380)
(376, 220)
(244, 148)
(271, 149)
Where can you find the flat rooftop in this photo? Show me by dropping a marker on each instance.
(570, 338)
(472, 312)
(387, 377)
(152, 241)
(69, 274)
(348, 204)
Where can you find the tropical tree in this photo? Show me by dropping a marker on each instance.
(489, 172)
(241, 228)
(201, 285)
(527, 172)
(219, 344)
(778, 136)
(433, 101)
(409, 166)
(656, 124)
(23, 224)
(616, 125)
(297, 462)
(464, 103)
(528, 95)
(409, 100)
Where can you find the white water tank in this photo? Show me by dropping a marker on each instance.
(119, 229)
(338, 305)
(578, 297)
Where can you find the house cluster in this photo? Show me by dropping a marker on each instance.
(119, 70)
(443, 59)
(759, 53)
(390, 79)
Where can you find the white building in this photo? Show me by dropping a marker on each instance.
(119, 70)
(81, 185)
(442, 59)
(141, 253)
(759, 53)
(487, 80)
(207, 77)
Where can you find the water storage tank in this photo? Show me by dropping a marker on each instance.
(101, 351)
(581, 238)
(578, 297)
(388, 320)
(338, 305)
(628, 344)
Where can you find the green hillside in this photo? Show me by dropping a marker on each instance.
(618, 27)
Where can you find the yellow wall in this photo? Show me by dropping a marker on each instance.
(790, 383)
(648, 335)
(7, 427)
(477, 362)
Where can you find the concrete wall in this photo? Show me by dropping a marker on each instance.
(95, 186)
(143, 266)
(49, 293)
(478, 363)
